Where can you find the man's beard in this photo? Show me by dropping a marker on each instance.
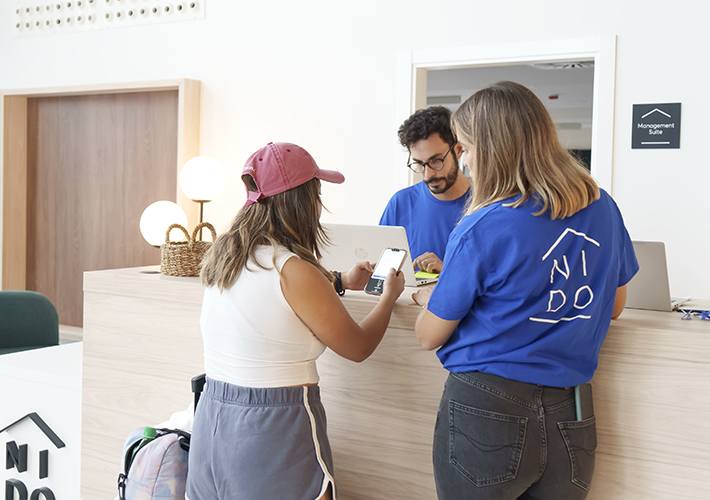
(449, 181)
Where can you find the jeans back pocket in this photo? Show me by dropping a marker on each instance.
(581, 442)
(484, 446)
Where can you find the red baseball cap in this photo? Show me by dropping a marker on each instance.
(280, 166)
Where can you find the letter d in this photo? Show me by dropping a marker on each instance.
(14, 484)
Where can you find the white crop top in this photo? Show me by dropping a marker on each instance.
(251, 336)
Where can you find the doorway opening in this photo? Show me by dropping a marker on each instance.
(566, 90)
(516, 62)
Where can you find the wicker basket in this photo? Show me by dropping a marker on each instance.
(183, 258)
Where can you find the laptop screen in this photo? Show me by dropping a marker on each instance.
(649, 289)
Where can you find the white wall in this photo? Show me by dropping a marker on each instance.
(576, 138)
(324, 75)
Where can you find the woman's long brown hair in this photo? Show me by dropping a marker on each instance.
(517, 151)
(290, 219)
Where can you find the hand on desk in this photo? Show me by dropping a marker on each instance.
(428, 262)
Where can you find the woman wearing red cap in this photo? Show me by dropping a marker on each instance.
(269, 311)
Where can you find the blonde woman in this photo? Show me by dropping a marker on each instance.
(269, 311)
(533, 274)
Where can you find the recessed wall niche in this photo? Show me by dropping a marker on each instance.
(36, 18)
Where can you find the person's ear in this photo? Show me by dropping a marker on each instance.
(458, 149)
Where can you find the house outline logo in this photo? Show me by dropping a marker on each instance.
(557, 297)
(34, 417)
(656, 110)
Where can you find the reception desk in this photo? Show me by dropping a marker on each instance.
(142, 345)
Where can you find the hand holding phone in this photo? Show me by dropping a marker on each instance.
(391, 258)
(358, 275)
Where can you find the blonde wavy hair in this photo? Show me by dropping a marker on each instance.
(290, 219)
(516, 151)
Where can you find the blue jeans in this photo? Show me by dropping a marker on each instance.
(500, 439)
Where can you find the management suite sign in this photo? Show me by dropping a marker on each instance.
(656, 126)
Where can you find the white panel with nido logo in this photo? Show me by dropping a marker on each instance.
(40, 423)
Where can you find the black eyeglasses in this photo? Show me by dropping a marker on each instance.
(435, 164)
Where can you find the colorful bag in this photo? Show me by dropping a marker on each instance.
(156, 469)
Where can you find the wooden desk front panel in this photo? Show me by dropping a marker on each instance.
(142, 346)
(140, 353)
(381, 415)
(651, 397)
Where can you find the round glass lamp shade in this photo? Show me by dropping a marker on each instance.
(157, 218)
(202, 179)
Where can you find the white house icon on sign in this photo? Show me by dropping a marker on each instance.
(656, 110)
(560, 272)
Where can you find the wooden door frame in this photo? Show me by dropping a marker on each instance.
(13, 160)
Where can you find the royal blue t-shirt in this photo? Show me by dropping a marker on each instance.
(427, 220)
(534, 295)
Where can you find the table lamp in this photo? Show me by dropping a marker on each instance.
(202, 180)
(156, 219)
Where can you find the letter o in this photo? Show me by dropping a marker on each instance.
(44, 491)
(576, 297)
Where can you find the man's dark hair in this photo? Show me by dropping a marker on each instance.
(424, 123)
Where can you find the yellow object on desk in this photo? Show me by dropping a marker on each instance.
(425, 275)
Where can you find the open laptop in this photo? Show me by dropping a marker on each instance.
(351, 243)
(649, 289)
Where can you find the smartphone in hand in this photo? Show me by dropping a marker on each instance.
(390, 258)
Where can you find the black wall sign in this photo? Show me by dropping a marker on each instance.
(656, 126)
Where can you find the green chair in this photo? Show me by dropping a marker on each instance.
(28, 320)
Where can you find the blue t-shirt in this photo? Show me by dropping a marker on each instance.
(534, 295)
(427, 220)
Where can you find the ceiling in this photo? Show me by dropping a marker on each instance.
(573, 86)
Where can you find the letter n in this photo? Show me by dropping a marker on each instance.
(16, 457)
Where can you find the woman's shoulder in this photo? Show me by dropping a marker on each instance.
(604, 198)
(264, 255)
(484, 228)
(297, 270)
(605, 203)
(490, 214)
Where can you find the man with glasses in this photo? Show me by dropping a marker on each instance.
(429, 210)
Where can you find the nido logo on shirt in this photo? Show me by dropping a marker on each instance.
(564, 280)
